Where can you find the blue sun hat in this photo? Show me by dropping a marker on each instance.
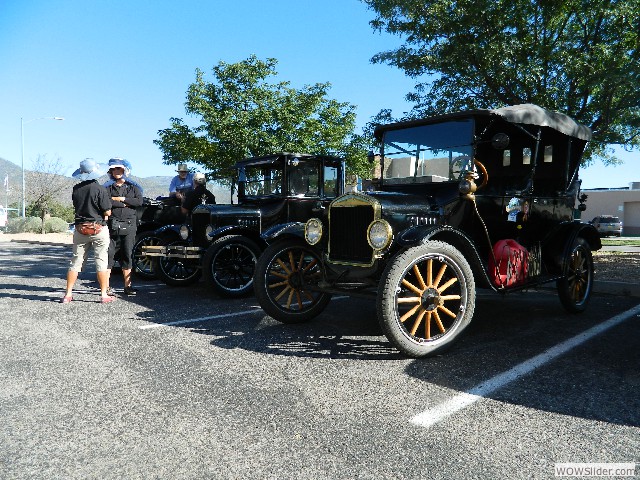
(120, 162)
(89, 170)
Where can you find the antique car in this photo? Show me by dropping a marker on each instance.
(476, 199)
(223, 241)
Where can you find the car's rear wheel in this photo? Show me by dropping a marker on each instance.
(426, 298)
(143, 265)
(284, 274)
(574, 289)
(229, 264)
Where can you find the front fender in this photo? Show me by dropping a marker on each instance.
(422, 233)
(232, 230)
(168, 228)
(293, 229)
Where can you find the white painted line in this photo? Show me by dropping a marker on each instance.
(201, 319)
(213, 317)
(434, 415)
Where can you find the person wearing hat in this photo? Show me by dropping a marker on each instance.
(127, 173)
(125, 197)
(199, 194)
(181, 183)
(92, 206)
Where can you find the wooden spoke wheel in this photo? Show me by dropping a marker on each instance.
(285, 276)
(574, 289)
(426, 298)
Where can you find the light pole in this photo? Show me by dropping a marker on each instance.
(22, 123)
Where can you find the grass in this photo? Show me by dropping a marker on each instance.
(614, 242)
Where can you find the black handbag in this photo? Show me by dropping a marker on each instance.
(119, 227)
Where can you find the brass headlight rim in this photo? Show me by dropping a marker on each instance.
(388, 229)
(306, 226)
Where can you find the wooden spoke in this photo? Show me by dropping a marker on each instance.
(281, 294)
(447, 311)
(279, 284)
(292, 261)
(311, 265)
(436, 282)
(300, 261)
(409, 300)
(450, 282)
(416, 270)
(416, 324)
(284, 267)
(449, 297)
(429, 273)
(438, 321)
(278, 274)
(427, 326)
(411, 287)
(290, 298)
(409, 313)
(299, 299)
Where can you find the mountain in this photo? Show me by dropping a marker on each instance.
(153, 187)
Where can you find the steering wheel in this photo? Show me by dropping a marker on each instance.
(483, 172)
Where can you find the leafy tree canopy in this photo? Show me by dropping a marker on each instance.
(579, 57)
(241, 114)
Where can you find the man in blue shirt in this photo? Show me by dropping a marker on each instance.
(181, 183)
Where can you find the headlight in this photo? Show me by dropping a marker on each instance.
(207, 232)
(313, 231)
(184, 232)
(379, 234)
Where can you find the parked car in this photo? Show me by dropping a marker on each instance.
(477, 199)
(607, 225)
(223, 241)
(151, 215)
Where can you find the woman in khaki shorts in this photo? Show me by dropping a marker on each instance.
(92, 205)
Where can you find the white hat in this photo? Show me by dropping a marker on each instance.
(199, 178)
(89, 170)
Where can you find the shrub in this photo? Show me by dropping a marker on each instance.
(55, 225)
(25, 225)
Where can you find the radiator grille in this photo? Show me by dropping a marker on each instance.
(199, 222)
(348, 234)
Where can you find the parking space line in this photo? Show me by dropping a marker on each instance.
(201, 319)
(434, 415)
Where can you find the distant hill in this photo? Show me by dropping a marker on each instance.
(153, 187)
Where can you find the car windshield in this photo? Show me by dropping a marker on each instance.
(609, 220)
(428, 153)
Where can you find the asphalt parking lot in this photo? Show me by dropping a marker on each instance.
(178, 383)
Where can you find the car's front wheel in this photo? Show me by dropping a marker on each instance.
(426, 298)
(177, 272)
(229, 264)
(143, 265)
(284, 274)
(574, 288)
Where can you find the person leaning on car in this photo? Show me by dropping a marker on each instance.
(181, 183)
(125, 197)
(199, 195)
(92, 205)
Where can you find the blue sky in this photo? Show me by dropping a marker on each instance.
(117, 70)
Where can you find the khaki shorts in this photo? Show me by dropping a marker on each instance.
(82, 244)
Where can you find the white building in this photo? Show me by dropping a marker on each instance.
(620, 202)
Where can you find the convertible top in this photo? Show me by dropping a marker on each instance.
(531, 114)
(525, 114)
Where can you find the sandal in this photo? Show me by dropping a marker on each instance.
(66, 299)
(107, 299)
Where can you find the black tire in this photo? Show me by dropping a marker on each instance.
(283, 273)
(142, 265)
(574, 289)
(229, 264)
(177, 272)
(416, 287)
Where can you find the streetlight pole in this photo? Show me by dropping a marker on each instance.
(22, 123)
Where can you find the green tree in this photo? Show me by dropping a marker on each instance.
(45, 185)
(241, 114)
(579, 57)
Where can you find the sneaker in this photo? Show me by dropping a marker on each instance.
(66, 299)
(130, 291)
(107, 299)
